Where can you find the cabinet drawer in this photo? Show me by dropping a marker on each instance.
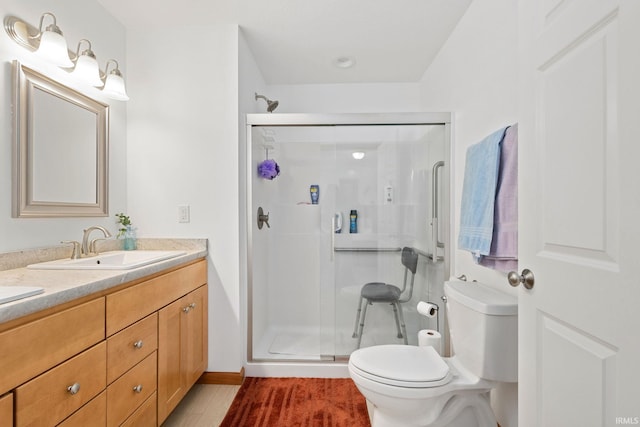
(145, 415)
(48, 399)
(92, 414)
(130, 346)
(131, 390)
(6, 410)
(129, 305)
(30, 349)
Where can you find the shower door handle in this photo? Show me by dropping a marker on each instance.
(332, 230)
(435, 200)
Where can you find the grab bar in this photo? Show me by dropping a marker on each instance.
(372, 250)
(367, 249)
(435, 196)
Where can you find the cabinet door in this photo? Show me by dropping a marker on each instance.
(6, 410)
(171, 355)
(195, 335)
(182, 348)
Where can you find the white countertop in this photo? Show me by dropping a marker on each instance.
(61, 286)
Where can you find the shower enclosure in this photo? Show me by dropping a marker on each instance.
(306, 264)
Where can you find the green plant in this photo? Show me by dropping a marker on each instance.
(125, 221)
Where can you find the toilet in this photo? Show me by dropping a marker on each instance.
(414, 386)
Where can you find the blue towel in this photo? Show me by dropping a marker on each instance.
(479, 195)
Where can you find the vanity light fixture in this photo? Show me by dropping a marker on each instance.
(87, 68)
(50, 45)
(114, 83)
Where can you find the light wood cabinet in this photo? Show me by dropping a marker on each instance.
(51, 397)
(182, 348)
(146, 415)
(125, 358)
(130, 346)
(31, 349)
(6, 410)
(132, 304)
(92, 414)
(131, 390)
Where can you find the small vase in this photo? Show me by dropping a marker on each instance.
(130, 239)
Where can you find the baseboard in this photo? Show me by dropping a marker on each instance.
(226, 378)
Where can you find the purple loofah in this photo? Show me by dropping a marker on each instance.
(268, 169)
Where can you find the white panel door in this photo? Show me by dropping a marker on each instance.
(579, 348)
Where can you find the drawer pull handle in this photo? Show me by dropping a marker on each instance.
(186, 309)
(138, 388)
(192, 305)
(138, 344)
(73, 389)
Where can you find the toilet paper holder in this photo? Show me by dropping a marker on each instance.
(429, 309)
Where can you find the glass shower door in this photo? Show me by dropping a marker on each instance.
(292, 290)
(308, 266)
(383, 175)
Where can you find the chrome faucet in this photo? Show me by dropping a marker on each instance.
(85, 238)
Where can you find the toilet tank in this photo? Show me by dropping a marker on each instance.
(483, 324)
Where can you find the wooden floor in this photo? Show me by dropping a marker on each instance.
(204, 406)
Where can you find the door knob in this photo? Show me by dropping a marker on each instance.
(526, 278)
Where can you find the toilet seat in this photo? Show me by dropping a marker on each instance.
(401, 366)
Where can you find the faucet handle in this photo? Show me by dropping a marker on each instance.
(93, 247)
(76, 248)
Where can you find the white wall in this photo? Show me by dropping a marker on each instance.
(250, 81)
(346, 98)
(183, 133)
(474, 76)
(77, 20)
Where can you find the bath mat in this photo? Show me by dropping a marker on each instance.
(297, 402)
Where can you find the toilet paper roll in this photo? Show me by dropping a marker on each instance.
(430, 337)
(427, 309)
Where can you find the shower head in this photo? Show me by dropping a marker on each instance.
(271, 105)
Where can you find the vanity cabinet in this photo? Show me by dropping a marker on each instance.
(182, 354)
(51, 397)
(92, 414)
(105, 362)
(131, 390)
(30, 349)
(6, 410)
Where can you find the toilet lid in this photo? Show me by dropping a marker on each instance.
(401, 365)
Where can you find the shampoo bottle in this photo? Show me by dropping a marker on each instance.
(353, 221)
(314, 192)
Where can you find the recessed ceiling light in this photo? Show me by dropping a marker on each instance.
(358, 155)
(344, 62)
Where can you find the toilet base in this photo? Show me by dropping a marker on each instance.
(468, 410)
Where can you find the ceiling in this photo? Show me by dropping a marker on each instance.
(299, 41)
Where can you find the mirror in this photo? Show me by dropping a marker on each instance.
(61, 149)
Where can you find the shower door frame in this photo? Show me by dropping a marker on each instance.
(338, 119)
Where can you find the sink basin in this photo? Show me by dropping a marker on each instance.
(12, 293)
(115, 260)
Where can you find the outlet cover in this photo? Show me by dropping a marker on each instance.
(183, 213)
